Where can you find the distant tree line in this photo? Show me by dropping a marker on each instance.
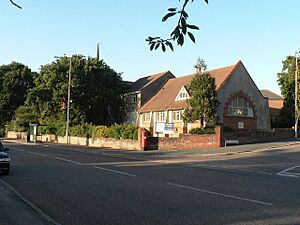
(27, 96)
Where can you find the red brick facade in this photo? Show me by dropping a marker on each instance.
(188, 141)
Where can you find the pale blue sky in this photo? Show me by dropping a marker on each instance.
(261, 33)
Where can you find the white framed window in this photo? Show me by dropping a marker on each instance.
(146, 116)
(182, 95)
(160, 116)
(240, 106)
(177, 115)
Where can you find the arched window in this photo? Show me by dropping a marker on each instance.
(239, 106)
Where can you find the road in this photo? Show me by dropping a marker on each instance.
(79, 186)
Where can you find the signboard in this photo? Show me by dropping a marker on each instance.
(164, 128)
(159, 127)
(169, 128)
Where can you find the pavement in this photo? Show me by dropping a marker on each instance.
(18, 211)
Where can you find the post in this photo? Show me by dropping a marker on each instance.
(68, 105)
(296, 96)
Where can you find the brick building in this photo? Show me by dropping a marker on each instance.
(241, 104)
(141, 91)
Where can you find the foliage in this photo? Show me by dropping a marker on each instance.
(95, 91)
(181, 30)
(121, 131)
(286, 82)
(53, 125)
(22, 118)
(207, 130)
(81, 130)
(16, 80)
(100, 132)
(203, 99)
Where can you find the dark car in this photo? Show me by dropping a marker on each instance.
(4, 160)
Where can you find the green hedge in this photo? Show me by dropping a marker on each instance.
(207, 130)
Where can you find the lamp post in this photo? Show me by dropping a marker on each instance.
(296, 94)
(69, 99)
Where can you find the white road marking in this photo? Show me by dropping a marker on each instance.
(67, 160)
(19, 149)
(115, 171)
(220, 194)
(289, 174)
(34, 153)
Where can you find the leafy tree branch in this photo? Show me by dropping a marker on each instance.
(181, 30)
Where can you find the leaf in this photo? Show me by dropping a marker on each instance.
(192, 37)
(163, 47)
(157, 45)
(170, 45)
(180, 40)
(176, 32)
(206, 1)
(167, 16)
(194, 27)
(183, 25)
(172, 9)
(184, 14)
(152, 46)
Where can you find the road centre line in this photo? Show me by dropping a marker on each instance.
(67, 160)
(115, 171)
(19, 149)
(222, 195)
(39, 154)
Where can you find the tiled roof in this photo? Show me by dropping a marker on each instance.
(146, 81)
(270, 95)
(165, 98)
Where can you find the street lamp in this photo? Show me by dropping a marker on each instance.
(68, 105)
(296, 94)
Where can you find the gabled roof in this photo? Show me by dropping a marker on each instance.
(165, 98)
(146, 81)
(270, 95)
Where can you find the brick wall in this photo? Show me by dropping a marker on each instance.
(232, 122)
(252, 136)
(187, 141)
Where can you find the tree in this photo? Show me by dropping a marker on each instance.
(181, 30)
(286, 82)
(16, 80)
(203, 99)
(95, 91)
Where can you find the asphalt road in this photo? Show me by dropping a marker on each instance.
(75, 186)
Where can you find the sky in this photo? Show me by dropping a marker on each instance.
(259, 33)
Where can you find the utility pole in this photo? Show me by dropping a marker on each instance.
(98, 52)
(69, 99)
(296, 95)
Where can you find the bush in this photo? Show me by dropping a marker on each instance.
(100, 132)
(114, 131)
(82, 130)
(122, 131)
(207, 130)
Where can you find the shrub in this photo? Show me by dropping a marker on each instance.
(100, 132)
(207, 130)
(122, 131)
(82, 130)
(114, 131)
(135, 135)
